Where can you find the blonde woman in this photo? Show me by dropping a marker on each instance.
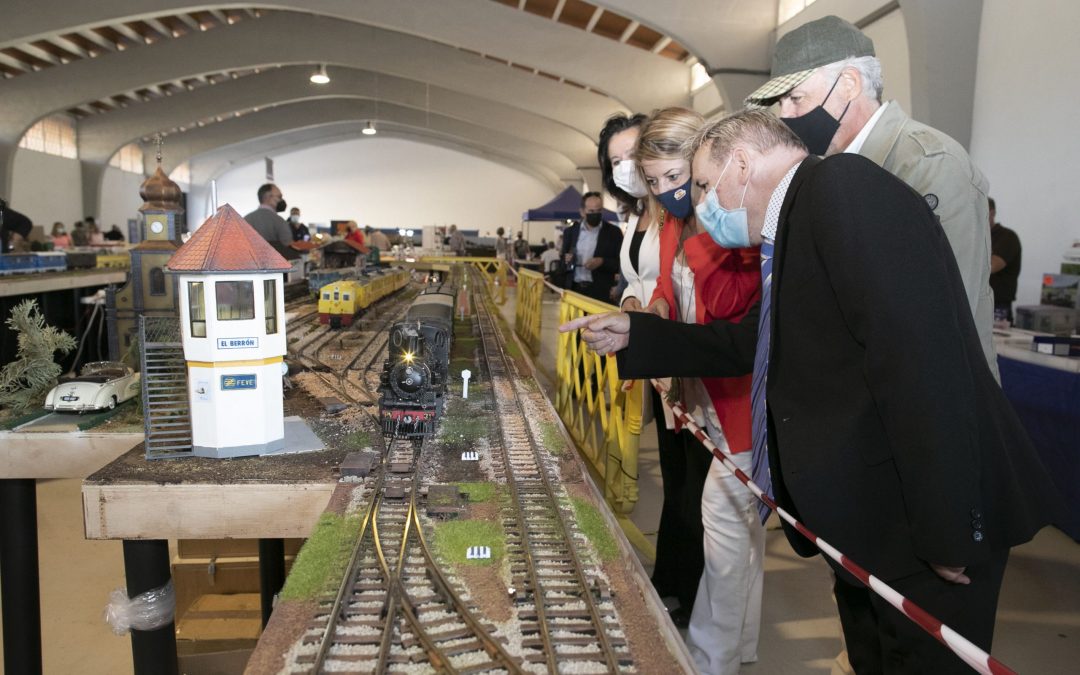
(699, 282)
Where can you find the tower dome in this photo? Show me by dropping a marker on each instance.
(160, 192)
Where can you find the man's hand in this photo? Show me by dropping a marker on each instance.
(953, 575)
(603, 333)
(632, 304)
(593, 263)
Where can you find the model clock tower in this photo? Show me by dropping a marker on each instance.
(149, 291)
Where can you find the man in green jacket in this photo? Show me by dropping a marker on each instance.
(827, 82)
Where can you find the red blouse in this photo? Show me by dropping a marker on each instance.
(727, 283)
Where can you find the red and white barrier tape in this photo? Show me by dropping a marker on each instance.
(958, 644)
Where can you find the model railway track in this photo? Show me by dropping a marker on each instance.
(310, 354)
(394, 609)
(570, 626)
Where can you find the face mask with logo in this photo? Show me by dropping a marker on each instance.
(677, 201)
(593, 219)
(280, 206)
(628, 179)
(817, 127)
(728, 228)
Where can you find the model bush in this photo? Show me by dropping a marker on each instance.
(27, 380)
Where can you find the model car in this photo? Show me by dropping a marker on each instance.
(102, 385)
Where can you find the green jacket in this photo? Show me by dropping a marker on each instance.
(939, 168)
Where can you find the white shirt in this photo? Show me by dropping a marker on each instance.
(856, 144)
(772, 211)
(694, 395)
(549, 256)
(586, 246)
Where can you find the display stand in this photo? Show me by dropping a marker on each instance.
(24, 458)
(268, 498)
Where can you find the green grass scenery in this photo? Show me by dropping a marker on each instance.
(593, 526)
(461, 424)
(16, 420)
(358, 440)
(553, 440)
(478, 492)
(453, 539)
(322, 561)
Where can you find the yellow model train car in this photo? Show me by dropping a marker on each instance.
(343, 300)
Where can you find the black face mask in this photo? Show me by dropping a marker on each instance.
(817, 127)
(593, 219)
(280, 206)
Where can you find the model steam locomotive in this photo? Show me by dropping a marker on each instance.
(414, 377)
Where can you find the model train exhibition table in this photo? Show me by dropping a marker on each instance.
(147, 502)
(1045, 392)
(25, 458)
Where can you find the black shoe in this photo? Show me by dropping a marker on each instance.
(680, 617)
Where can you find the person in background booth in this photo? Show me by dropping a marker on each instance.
(376, 239)
(60, 238)
(1004, 266)
(79, 236)
(266, 220)
(591, 251)
(700, 282)
(300, 231)
(355, 235)
(14, 228)
(501, 249)
(456, 241)
(114, 235)
(94, 237)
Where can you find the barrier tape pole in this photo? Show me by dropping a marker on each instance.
(958, 644)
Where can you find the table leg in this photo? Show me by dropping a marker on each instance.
(271, 573)
(146, 567)
(19, 581)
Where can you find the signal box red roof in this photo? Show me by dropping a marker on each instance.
(227, 243)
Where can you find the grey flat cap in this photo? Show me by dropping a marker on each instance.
(808, 47)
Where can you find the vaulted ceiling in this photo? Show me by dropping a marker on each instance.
(527, 83)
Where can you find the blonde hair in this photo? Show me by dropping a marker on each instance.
(663, 137)
(758, 128)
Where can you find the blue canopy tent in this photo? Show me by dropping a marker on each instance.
(565, 206)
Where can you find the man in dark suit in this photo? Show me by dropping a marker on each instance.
(591, 251)
(887, 434)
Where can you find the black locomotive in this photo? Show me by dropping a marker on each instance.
(414, 377)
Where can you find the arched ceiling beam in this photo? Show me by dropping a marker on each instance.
(288, 37)
(100, 136)
(214, 164)
(186, 145)
(639, 79)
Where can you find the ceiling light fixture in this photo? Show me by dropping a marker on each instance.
(369, 130)
(320, 76)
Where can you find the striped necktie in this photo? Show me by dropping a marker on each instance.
(760, 470)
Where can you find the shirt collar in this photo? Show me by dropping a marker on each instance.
(772, 212)
(856, 144)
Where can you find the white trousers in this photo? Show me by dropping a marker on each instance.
(726, 619)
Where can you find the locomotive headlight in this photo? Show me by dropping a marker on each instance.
(408, 356)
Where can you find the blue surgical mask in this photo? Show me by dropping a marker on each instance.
(728, 228)
(677, 201)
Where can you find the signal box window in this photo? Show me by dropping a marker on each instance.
(197, 308)
(326, 295)
(235, 300)
(344, 296)
(270, 305)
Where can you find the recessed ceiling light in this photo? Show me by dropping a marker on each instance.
(369, 130)
(320, 76)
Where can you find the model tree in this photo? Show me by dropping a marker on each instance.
(26, 380)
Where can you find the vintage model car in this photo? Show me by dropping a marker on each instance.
(101, 386)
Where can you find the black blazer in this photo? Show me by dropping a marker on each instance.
(608, 244)
(888, 435)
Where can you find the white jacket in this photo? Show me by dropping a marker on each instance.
(640, 283)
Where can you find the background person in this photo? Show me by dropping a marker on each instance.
(114, 235)
(300, 231)
(1004, 265)
(60, 238)
(265, 218)
(456, 241)
(590, 251)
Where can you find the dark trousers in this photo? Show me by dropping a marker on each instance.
(596, 291)
(882, 641)
(680, 547)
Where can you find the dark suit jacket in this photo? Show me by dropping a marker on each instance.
(888, 435)
(608, 243)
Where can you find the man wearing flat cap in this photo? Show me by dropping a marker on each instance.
(827, 82)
